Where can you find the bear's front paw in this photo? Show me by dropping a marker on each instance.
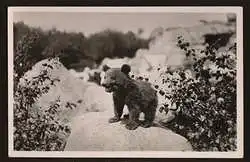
(126, 116)
(114, 119)
(125, 119)
(132, 125)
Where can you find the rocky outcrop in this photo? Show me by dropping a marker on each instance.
(92, 132)
(81, 96)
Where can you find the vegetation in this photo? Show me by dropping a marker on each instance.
(37, 129)
(206, 99)
(74, 49)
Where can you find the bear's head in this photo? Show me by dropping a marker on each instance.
(115, 78)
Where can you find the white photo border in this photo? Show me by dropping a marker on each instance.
(144, 154)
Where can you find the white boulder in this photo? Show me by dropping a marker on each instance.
(92, 132)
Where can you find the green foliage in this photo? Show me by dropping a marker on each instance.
(37, 129)
(206, 99)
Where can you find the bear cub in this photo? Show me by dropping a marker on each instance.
(138, 95)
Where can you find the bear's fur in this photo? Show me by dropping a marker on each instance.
(139, 97)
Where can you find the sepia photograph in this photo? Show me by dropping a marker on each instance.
(125, 82)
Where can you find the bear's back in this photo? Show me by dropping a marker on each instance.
(144, 90)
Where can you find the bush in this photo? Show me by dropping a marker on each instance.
(27, 52)
(206, 98)
(37, 129)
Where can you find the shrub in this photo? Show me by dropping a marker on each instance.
(27, 52)
(206, 98)
(37, 129)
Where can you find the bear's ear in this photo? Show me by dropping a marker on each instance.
(105, 68)
(125, 69)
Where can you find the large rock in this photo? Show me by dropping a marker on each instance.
(85, 96)
(92, 132)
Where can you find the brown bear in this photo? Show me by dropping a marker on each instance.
(138, 95)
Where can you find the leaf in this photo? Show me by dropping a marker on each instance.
(161, 109)
(215, 149)
(181, 127)
(202, 118)
(161, 92)
(210, 123)
(209, 134)
(217, 140)
(201, 129)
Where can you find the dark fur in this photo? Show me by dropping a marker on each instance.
(139, 97)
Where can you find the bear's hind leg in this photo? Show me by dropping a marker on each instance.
(150, 114)
(133, 122)
(149, 118)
